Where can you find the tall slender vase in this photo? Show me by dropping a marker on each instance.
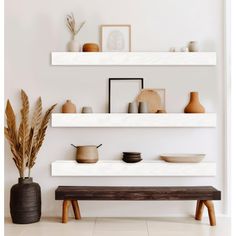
(25, 202)
(194, 106)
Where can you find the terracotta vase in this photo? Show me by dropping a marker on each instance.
(194, 106)
(68, 107)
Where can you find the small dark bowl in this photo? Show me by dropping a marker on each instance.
(132, 156)
(132, 153)
(129, 160)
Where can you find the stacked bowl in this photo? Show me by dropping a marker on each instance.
(131, 157)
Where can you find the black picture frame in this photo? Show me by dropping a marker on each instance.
(117, 79)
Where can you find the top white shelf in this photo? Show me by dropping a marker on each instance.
(174, 120)
(133, 58)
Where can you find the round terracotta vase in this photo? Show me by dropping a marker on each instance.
(25, 202)
(68, 107)
(194, 105)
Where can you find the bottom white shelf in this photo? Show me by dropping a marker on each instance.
(120, 168)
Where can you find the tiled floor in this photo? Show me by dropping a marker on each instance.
(121, 227)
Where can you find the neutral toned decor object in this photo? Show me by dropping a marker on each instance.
(25, 201)
(131, 157)
(182, 158)
(129, 87)
(87, 110)
(73, 45)
(87, 154)
(143, 107)
(161, 111)
(90, 47)
(184, 49)
(204, 195)
(68, 107)
(154, 97)
(194, 105)
(116, 38)
(133, 107)
(25, 143)
(193, 46)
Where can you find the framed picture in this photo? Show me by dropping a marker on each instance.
(115, 38)
(155, 98)
(121, 92)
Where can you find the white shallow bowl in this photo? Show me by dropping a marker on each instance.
(183, 158)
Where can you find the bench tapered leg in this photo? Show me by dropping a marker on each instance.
(199, 210)
(211, 212)
(65, 208)
(76, 210)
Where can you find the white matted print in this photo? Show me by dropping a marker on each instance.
(116, 38)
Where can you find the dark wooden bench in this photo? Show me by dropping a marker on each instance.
(203, 194)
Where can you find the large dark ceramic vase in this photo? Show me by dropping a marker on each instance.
(25, 202)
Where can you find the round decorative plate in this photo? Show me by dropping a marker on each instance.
(152, 98)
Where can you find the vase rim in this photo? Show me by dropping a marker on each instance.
(25, 180)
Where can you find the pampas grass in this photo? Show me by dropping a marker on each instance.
(26, 141)
(71, 24)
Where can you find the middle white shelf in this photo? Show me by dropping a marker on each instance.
(120, 168)
(164, 120)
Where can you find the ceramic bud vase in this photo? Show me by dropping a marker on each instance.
(25, 201)
(143, 107)
(68, 107)
(194, 105)
(193, 46)
(73, 46)
(133, 107)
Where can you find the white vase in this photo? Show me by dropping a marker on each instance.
(73, 46)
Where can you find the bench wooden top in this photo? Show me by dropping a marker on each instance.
(137, 193)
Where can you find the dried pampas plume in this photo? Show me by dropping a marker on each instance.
(71, 24)
(26, 141)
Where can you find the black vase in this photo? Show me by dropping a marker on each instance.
(25, 202)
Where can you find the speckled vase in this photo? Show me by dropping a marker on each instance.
(73, 46)
(193, 46)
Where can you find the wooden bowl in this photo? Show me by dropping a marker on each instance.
(90, 47)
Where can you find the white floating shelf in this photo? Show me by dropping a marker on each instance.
(120, 168)
(133, 58)
(133, 120)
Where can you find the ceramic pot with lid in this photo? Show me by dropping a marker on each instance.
(87, 154)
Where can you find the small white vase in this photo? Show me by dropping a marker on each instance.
(73, 46)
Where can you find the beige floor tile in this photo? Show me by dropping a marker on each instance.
(187, 227)
(51, 226)
(120, 233)
(120, 224)
(120, 227)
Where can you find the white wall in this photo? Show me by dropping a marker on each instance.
(35, 28)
